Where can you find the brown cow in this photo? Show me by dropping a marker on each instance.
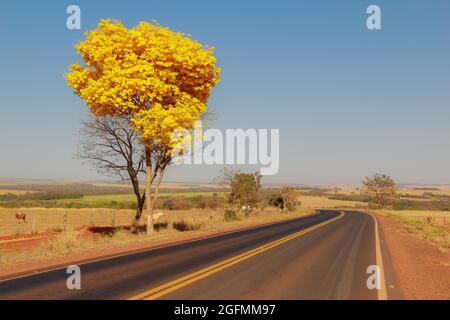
(21, 217)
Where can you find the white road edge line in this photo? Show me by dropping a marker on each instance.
(382, 294)
(33, 273)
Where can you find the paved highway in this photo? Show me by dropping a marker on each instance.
(322, 256)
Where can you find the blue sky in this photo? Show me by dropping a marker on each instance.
(348, 101)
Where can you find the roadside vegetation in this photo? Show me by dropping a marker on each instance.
(62, 231)
(75, 217)
(174, 225)
(431, 225)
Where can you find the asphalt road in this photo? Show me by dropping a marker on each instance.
(322, 256)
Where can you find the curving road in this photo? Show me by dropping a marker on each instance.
(322, 256)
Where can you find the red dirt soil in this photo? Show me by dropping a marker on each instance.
(423, 270)
(25, 240)
(35, 239)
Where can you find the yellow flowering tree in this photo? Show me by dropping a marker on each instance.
(159, 79)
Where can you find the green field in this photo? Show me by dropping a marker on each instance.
(11, 191)
(124, 198)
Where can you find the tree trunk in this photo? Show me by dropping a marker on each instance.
(380, 203)
(284, 204)
(140, 199)
(140, 208)
(148, 195)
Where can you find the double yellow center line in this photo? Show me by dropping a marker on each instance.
(169, 287)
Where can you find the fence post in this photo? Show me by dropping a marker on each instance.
(65, 221)
(33, 227)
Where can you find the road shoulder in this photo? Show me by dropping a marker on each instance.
(422, 269)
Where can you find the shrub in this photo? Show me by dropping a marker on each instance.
(275, 200)
(113, 204)
(183, 226)
(284, 199)
(160, 225)
(207, 202)
(70, 205)
(176, 204)
(137, 228)
(231, 215)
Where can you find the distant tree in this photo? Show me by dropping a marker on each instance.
(245, 189)
(381, 187)
(285, 198)
(289, 196)
(112, 146)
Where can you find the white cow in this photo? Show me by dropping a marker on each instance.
(157, 215)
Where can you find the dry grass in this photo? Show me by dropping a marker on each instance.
(442, 190)
(45, 220)
(74, 242)
(53, 219)
(324, 203)
(445, 191)
(432, 225)
(214, 220)
(64, 245)
(15, 192)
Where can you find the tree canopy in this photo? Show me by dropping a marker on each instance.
(381, 187)
(159, 78)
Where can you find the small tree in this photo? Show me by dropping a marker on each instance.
(381, 187)
(288, 195)
(284, 198)
(245, 189)
(161, 80)
(112, 146)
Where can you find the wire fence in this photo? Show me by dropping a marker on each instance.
(37, 220)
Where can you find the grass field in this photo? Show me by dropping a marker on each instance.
(323, 202)
(40, 219)
(15, 192)
(432, 225)
(205, 221)
(99, 200)
(166, 185)
(444, 190)
(55, 219)
(131, 197)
